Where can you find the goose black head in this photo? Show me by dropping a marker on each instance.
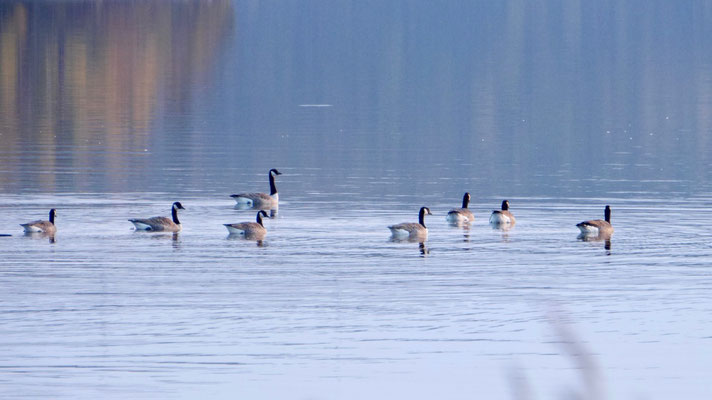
(261, 214)
(466, 200)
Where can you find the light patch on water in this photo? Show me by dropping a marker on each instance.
(327, 300)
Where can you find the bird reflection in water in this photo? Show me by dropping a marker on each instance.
(466, 233)
(273, 210)
(501, 227)
(174, 237)
(257, 238)
(504, 234)
(464, 226)
(605, 238)
(41, 235)
(424, 251)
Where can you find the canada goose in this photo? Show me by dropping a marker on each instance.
(42, 226)
(412, 229)
(597, 227)
(260, 199)
(249, 229)
(461, 215)
(503, 216)
(160, 224)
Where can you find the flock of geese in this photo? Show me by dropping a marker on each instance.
(504, 219)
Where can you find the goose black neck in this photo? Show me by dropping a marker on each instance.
(174, 214)
(607, 214)
(421, 217)
(505, 205)
(272, 186)
(259, 217)
(465, 200)
(51, 216)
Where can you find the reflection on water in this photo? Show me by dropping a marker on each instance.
(504, 227)
(465, 228)
(41, 235)
(424, 251)
(318, 298)
(184, 96)
(82, 85)
(273, 209)
(605, 238)
(371, 109)
(258, 239)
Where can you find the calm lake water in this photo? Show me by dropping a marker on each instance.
(114, 110)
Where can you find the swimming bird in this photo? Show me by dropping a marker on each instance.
(42, 226)
(160, 224)
(412, 229)
(597, 227)
(260, 199)
(503, 216)
(252, 230)
(461, 215)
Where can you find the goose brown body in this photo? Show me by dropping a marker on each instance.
(463, 214)
(597, 227)
(42, 225)
(160, 224)
(249, 229)
(412, 229)
(256, 199)
(503, 216)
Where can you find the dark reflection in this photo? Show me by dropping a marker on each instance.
(258, 239)
(605, 238)
(466, 233)
(273, 210)
(465, 227)
(501, 227)
(158, 235)
(41, 235)
(5, 235)
(424, 251)
(407, 239)
(420, 240)
(247, 236)
(504, 235)
(459, 223)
